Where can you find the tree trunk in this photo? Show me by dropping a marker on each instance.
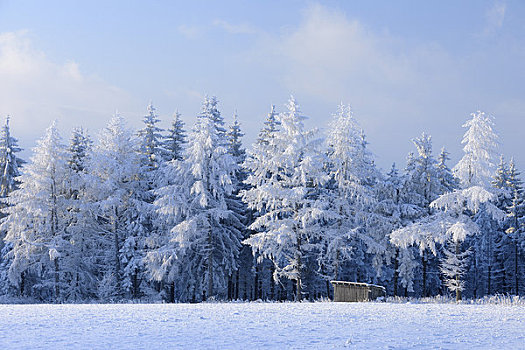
(336, 272)
(272, 283)
(116, 243)
(210, 264)
(516, 280)
(489, 272)
(230, 287)
(22, 283)
(57, 287)
(298, 289)
(135, 284)
(54, 229)
(172, 292)
(256, 283)
(236, 296)
(475, 272)
(396, 272)
(424, 263)
(458, 277)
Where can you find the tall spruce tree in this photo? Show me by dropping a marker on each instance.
(81, 260)
(36, 222)
(175, 140)
(257, 158)
(514, 257)
(242, 216)
(349, 196)
(150, 139)
(118, 189)
(204, 243)
(10, 165)
(454, 220)
(283, 192)
(427, 179)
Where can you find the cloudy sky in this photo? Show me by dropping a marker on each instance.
(405, 66)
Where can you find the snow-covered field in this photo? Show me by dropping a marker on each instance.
(323, 325)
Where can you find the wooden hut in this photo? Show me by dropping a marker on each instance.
(353, 291)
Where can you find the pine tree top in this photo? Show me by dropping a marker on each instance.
(234, 141)
(150, 138)
(271, 125)
(210, 110)
(175, 139)
(10, 164)
(480, 142)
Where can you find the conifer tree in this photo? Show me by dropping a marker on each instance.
(10, 165)
(454, 220)
(257, 158)
(175, 140)
(242, 216)
(480, 141)
(119, 193)
(150, 138)
(513, 263)
(453, 266)
(350, 197)
(204, 243)
(36, 221)
(81, 262)
(283, 191)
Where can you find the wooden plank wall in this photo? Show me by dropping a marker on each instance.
(354, 292)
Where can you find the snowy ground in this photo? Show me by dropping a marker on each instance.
(263, 325)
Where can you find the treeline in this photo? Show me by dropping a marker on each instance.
(165, 215)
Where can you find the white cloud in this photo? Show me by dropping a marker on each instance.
(242, 28)
(397, 90)
(495, 16)
(190, 32)
(34, 90)
(333, 58)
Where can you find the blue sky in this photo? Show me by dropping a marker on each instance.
(405, 66)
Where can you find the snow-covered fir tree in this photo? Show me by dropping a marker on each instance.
(150, 138)
(458, 206)
(242, 216)
(258, 157)
(119, 191)
(36, 222)
(453, 266)
(480, 142)
(476, 168)
(172, 148)
(349, 194)
(204, 245)
(175, 140)
(81, 261)
(395, 205)
(161, 260)
(448, 182)
(10, 165)
(426, 180)
(284, 190)
(501, 241)
(514, 241)
(271, 124)
(234, 138)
